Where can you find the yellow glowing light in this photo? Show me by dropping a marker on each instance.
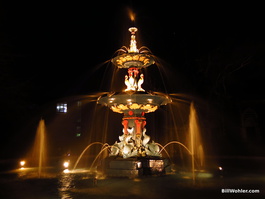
(135, 106)
(146, 107)
(139, 164)
(149, 108)
(131, 14)
(128, 58)
(122, 107)
(133, 47)
(22, 163)
(140, 60)
(66, 164)
(135, 57)
(220, 168)
(115, 109)
(150, 100)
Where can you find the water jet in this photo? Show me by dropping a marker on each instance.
(37, 157)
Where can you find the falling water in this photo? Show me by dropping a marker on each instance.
(195, 145)
(81, 155)
(39, 155)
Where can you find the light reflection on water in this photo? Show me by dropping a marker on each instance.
(74, 180)
(65, 184)
(51, 184)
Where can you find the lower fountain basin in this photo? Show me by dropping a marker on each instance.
(137, 101)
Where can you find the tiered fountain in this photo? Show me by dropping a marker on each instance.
(135, 153)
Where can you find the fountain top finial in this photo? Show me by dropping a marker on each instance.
(133, 57)
(133, 47)
(133, 30)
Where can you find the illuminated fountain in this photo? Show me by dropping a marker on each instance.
(135, 153)
(135, 147)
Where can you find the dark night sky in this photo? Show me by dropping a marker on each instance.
(50, 50)
(47, 47)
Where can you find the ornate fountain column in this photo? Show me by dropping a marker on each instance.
(134, 103)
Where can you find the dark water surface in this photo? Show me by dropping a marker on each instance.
(25, 184)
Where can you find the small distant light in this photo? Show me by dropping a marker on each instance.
(150, 100)
(111, 99)
(66, 164)
(129, 101)
(66, 171)
(220, 168)
(22, 163)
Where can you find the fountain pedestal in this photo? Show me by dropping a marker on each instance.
(134, 142)
(134, 166)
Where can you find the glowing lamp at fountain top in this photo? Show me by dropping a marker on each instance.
(133, 57)
(133, 46)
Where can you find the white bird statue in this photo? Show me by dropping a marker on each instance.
(146, 138)
(153, 149)
(127, 139)
(140, 82)
(127, 83)
(132, 83)
(115, 149)
(130, 131)
(128, 147)
(121, 138)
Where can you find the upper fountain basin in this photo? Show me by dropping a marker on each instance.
(138, 60)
